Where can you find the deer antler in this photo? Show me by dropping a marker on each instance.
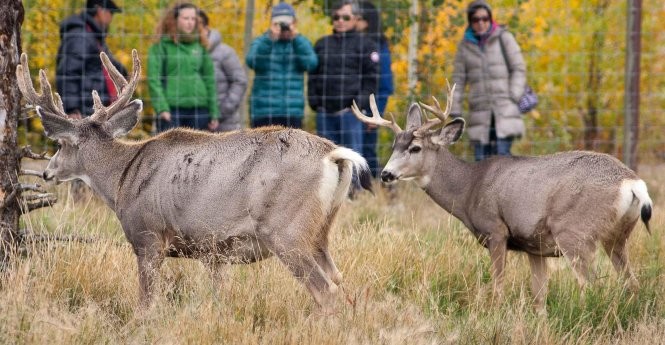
(125, 88)
(44, 100)
(435, 109)
(376, 118)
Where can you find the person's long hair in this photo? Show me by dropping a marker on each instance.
(372, 16)
(168, 25)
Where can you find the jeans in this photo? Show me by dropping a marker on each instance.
(286, 121)
(197, 118)
(369, 150)
(499, 147)
(342, 128)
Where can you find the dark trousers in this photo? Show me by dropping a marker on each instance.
(197, 118)
(496, 146)
(369, 150)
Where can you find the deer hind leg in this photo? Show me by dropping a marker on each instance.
(579, 252)
(539, 277)
(299, 259)
(323, 259)
(304, 268)
(616, 250)
(322, 254)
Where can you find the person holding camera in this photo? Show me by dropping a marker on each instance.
(279, 57)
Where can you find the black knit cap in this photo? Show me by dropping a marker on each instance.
(105, 4)
(475, 6)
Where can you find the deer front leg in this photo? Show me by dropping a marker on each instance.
(539, 277)
(497, 246)
(149, 261)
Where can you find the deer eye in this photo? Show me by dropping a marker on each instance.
(415, 149)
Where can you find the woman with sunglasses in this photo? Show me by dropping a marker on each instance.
(489, 62)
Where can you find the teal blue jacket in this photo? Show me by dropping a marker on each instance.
(279, 66)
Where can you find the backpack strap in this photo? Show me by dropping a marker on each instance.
(503, 51)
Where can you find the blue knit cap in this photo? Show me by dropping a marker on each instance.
(283, 12)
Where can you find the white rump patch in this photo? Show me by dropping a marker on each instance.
(630, 188)
(329, 181)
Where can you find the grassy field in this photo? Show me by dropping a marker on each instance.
(412, 275)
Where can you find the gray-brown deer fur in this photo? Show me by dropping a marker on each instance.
(237, 197)
(547, 206)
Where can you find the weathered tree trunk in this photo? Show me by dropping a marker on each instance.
(11, 19)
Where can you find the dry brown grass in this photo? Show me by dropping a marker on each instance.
(412, 275)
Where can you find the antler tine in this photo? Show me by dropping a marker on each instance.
(435, 109)
(125, 88)
(376, 118)
(117, 77)
(45, 99)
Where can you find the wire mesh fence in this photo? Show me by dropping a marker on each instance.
(574, 53)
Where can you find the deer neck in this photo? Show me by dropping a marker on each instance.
(449, 182)
(106, 167)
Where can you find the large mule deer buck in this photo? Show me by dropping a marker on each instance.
(237, 197)
(547, 206)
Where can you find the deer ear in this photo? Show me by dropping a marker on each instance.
(450, 133)
(125, 119)
(57, 127)
(414, 118)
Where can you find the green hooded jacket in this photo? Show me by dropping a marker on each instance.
(181, 75)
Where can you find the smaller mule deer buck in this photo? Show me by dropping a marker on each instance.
(547, 206)
(229, 198)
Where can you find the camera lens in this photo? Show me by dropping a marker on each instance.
(284, 27)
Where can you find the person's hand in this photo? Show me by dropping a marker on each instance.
(213, 125)
(165, 116)
(276, 32)
(75, 115)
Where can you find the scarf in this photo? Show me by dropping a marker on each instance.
(481, 39)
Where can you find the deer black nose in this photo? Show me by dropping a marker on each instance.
(46, 176)
(387, 176)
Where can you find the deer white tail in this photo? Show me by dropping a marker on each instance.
(640, 191)
(339, 166)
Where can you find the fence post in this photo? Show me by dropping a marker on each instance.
(632, 82)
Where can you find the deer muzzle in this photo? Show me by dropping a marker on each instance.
(387, 176)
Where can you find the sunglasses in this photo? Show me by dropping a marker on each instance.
(475, 20)
(344, 17)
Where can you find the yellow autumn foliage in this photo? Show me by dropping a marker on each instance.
(560, 41)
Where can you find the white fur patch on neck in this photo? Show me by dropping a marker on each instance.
(423, 181)
(86, 180)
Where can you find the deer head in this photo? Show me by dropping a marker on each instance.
(75, 137)
(415, 145)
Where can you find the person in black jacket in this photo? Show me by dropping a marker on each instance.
(79, 69)
(348, 70)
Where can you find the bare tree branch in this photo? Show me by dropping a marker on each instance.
(26, 152)
(28, 172)
(42, 202)
(31, 197)
(31, 187)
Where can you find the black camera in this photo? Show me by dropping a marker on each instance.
(284, 27)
